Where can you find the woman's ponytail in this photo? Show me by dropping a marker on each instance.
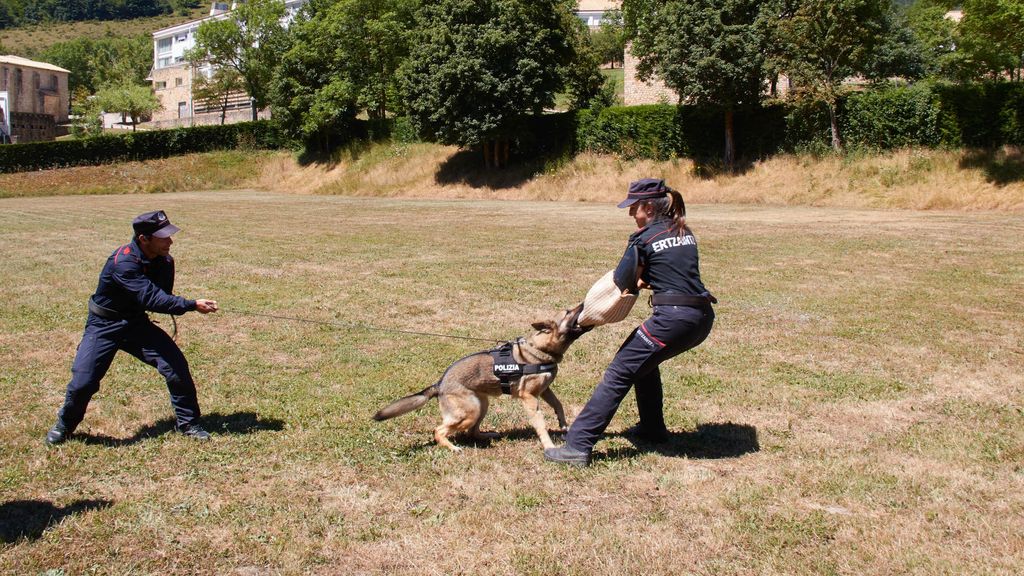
(677, 211)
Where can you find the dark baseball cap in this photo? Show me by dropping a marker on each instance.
(645, 189)
(154, 223)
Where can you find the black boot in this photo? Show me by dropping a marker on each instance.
(58, 434)
(566, 455)
(194, 431)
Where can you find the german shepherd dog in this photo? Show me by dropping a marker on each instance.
(466, 387)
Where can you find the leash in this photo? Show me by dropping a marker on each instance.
(355, 325)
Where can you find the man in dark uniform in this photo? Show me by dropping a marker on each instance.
(137, 278)
(662, 256)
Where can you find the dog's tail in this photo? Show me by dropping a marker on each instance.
(407, 404)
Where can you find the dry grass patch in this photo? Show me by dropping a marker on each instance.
(907, 179)
(208, 171)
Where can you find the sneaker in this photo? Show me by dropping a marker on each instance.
(58, 434)
(643, 434)
(194, 431)
(568, 456)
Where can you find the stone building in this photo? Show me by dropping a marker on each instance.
(34, 100)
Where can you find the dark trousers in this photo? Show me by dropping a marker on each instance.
(142, 339)
(670, 331)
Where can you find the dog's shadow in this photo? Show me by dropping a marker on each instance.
(467, 441)
(28, 519)
(708, 441)
(216, 423)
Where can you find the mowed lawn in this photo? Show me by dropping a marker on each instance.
(858, 408)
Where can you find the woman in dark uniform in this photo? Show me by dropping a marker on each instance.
(661, 256)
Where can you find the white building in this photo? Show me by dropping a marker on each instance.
(592, 11)
(172, 75)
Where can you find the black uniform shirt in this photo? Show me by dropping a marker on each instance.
(132, 285)
(670, 261)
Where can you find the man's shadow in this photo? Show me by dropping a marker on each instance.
(30, 518)
(215, 423)
(708, 441)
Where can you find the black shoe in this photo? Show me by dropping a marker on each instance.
(643, 434)
(194, 431)
(58, 434)
(566, 455)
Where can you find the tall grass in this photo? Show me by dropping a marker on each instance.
(905, 179)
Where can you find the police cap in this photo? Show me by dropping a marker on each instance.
(645, 189)
(154, 223)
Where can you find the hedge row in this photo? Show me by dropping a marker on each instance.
(108, 148)
(981, 115)
(985, 115)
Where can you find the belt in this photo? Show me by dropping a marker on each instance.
(683, 300)
(107, 313)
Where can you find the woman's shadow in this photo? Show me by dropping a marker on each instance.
(708, 441)
(215, 423)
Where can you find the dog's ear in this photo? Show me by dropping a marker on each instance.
(545, 325)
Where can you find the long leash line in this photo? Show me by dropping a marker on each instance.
(356, 325)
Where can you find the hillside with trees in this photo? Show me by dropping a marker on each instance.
(24, 12)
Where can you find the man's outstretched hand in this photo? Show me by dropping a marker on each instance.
(206, 306)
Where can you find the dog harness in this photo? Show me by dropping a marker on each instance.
(508, 371)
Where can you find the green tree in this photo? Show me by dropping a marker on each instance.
(828, 41)
(992, 37)
(216, 90)
(711, 52)
(105, 60)
(476, 68)
(938, 38)
(250, 41)
(131, 100)
(610, 38)
(86, 113)
(899, 53)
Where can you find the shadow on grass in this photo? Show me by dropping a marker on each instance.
(216, 423)
(1001, 166)
(708, 441)
(30, 518)
(709, 169)
(467, 441)
(467, 167)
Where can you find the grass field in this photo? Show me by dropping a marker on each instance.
(858, 408)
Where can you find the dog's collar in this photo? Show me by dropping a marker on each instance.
(544, 357)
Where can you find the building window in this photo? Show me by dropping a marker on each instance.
(177, 81)
(35, 80)
(163, 62)
(53, 81)
(163, 45)
(160, 85)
